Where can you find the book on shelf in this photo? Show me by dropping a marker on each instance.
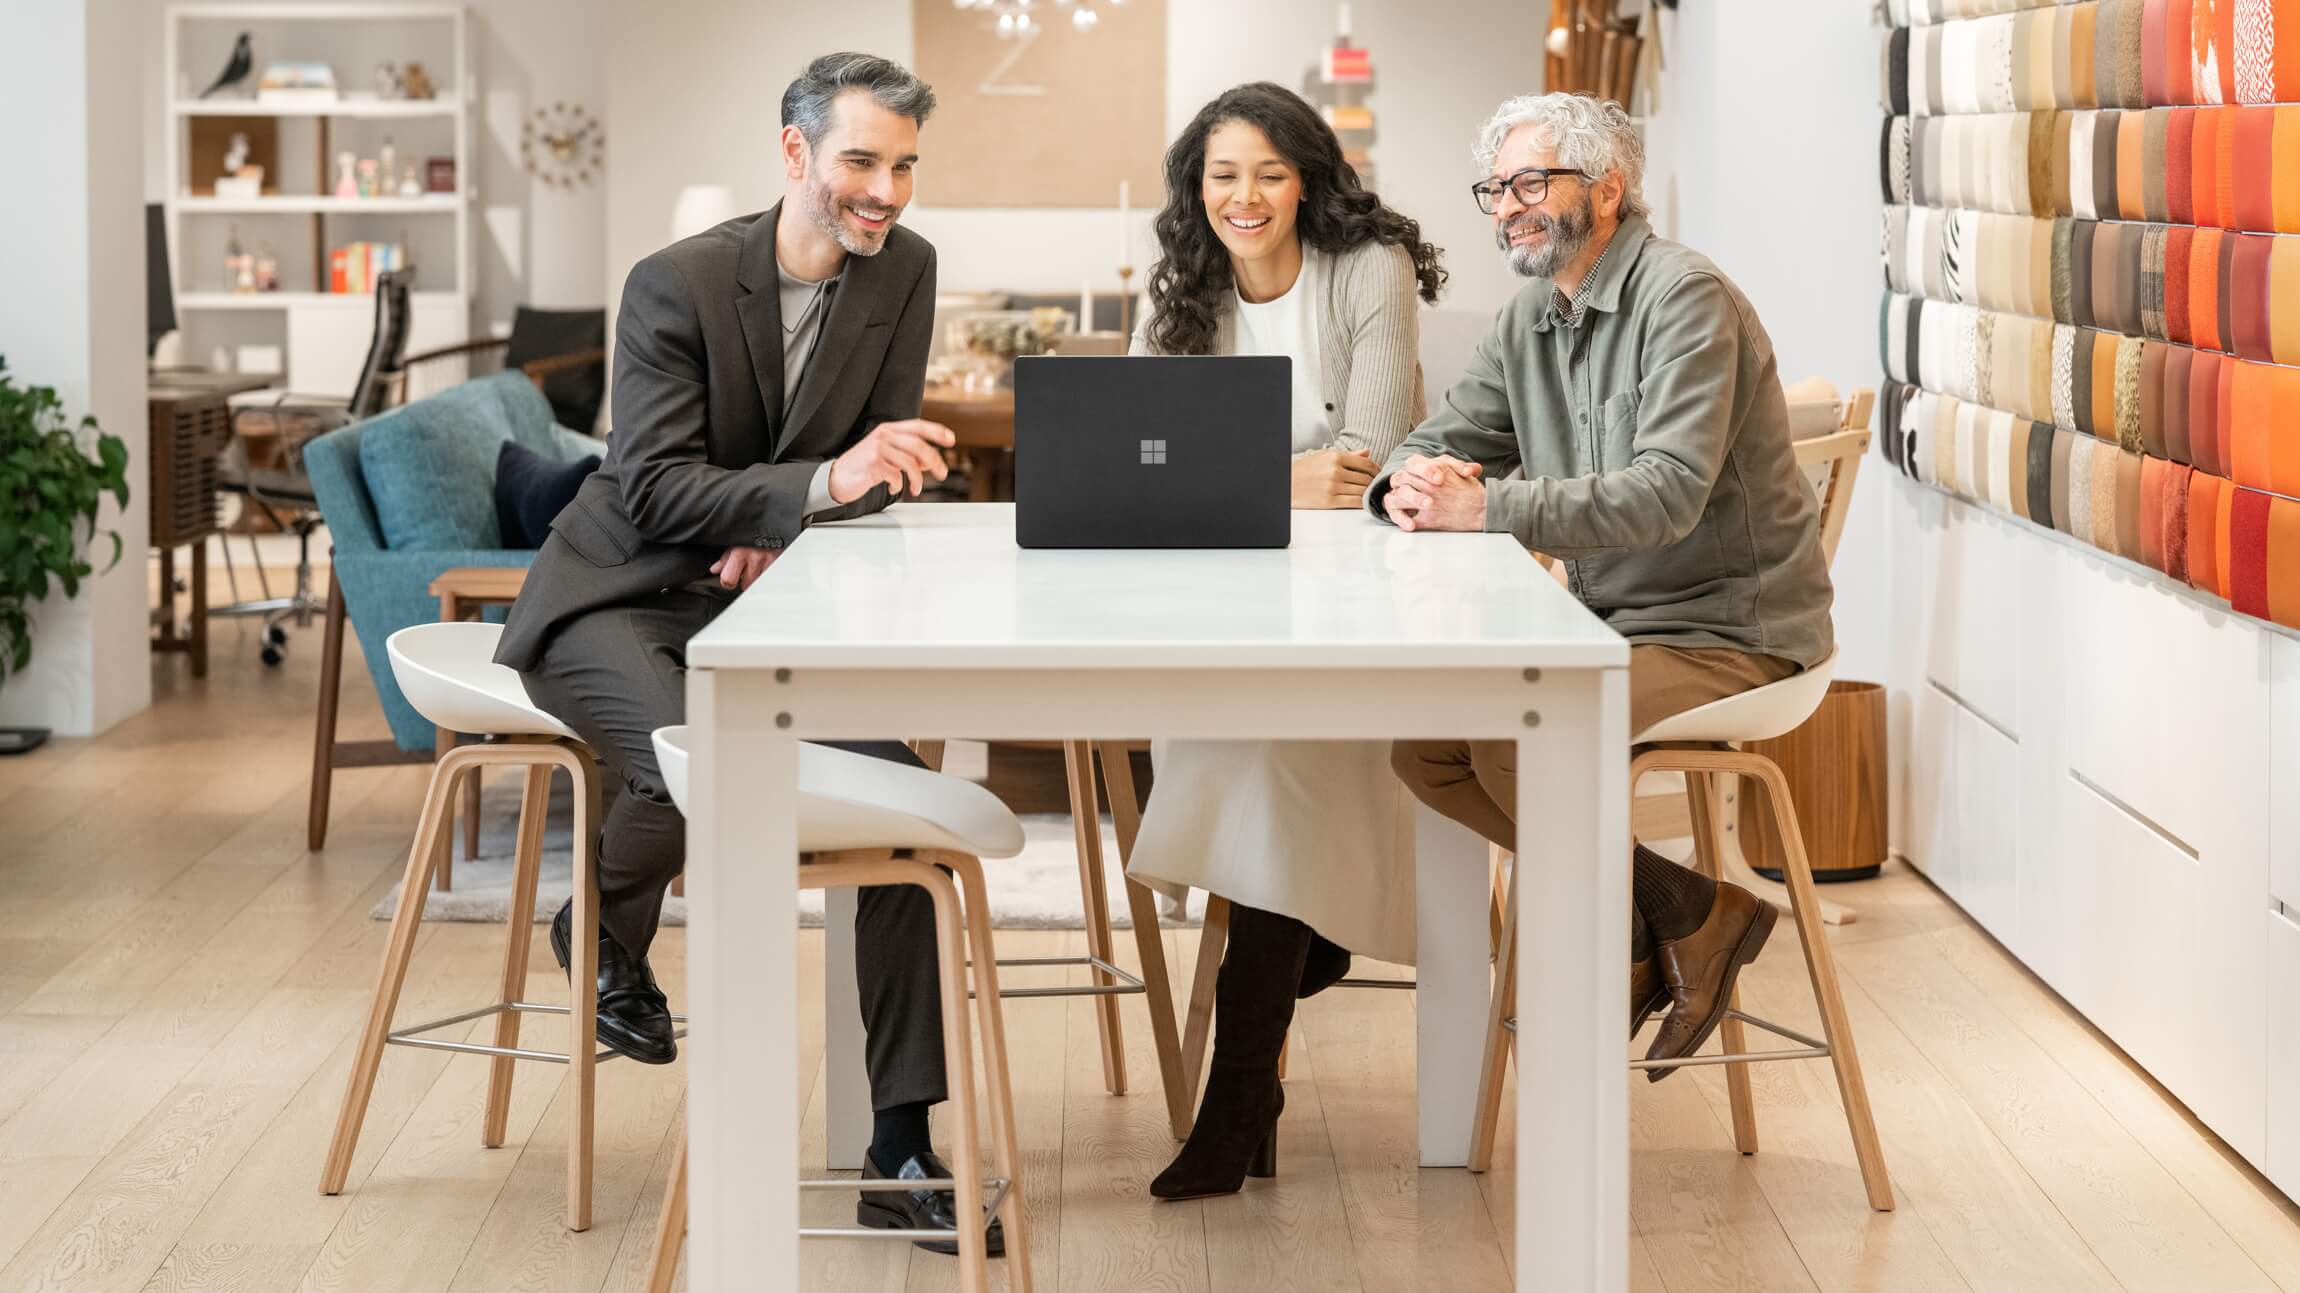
(1342, 116)
(353, 268)
(292, 84)
(1345, 65)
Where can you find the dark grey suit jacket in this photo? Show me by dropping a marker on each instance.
(708, 450)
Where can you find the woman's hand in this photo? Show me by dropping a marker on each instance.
(1332, 478)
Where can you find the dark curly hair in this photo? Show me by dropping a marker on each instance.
(1192, 277)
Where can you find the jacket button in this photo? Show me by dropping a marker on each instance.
(1329, 408)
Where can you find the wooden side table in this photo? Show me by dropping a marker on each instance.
(984, 425)
(191, 424)
(463, 592)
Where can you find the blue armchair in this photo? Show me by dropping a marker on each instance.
(422, 474)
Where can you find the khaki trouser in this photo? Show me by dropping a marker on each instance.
(1475, 782)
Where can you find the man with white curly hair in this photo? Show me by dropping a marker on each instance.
(1624, 414)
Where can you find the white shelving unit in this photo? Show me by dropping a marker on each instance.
(325, 335)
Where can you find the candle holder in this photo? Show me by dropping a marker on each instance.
(1126, 304)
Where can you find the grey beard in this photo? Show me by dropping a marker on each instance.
(823, 209)
(1568, 234)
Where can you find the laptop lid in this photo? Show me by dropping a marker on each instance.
(1153, 451)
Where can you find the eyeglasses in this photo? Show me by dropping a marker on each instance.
(1531, 185)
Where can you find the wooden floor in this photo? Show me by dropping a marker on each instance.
(179, 982)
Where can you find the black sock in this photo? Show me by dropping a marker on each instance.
(1673, 899)
(898, 1134)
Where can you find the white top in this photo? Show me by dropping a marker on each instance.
(943, 586)
(1289, 326)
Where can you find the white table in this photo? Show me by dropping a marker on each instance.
(928, 622)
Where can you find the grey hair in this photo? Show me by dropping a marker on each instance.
(1593, 136)
(807, 103)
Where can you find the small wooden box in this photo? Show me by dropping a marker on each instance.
(1835, 767)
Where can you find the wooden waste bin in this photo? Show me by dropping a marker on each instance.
(1835, 767)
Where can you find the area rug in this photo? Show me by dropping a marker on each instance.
(1036, 890)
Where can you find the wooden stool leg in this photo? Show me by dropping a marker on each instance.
(1149, 943)
(1199, 1020)
(671, 1228)
(1086, 818)
(519, 935)
(1497, 1038)
(406, 924)
(958, 1063)
(1709, 850)
(1821, 967)
(443, 871)
(323, 722)
(1005, 1148)
(471, 817)
(583, 988)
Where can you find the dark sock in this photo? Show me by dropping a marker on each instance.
(898, 1134)
(1673, 899)
(1640, 938)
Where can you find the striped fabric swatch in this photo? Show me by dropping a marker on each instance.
(2026, 55)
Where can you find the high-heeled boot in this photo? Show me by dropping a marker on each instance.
(1236, 1134)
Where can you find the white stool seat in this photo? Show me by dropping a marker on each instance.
(448, 672)
(854, 801)
(1756, 715)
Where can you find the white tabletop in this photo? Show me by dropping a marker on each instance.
(943, 585)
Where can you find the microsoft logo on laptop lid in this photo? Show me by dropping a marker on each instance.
(1153, 453)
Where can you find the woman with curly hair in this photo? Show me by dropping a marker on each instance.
(1270, 245)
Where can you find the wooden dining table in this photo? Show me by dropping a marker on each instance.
(983, 421)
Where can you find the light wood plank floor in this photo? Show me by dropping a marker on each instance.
(179, 983)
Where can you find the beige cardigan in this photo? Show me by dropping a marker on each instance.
(1369, 347)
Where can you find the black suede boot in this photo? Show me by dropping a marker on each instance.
(1327, 964)
(1236, 1135)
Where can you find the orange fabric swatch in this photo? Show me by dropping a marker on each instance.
(2223, 424)
(2223, 536)
(2283, 299)
(2204, 410)
(2131, 164)
(2152, 512)
(2247, 552)
(2287, 54)
(2284, 549)
(2282, 432)
(2284, 141)
(2204, 167)
(2204, 289)
(2249, 169)
(2080, 37)
(2203, 533)
(2248, 419)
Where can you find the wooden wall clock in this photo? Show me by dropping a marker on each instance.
(562, 145)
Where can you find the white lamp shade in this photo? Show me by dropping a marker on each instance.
(700, 206)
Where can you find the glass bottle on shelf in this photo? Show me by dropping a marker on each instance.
(267, 271)
(239, 271)
(386, 167)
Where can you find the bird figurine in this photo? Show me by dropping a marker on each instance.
(236, 68)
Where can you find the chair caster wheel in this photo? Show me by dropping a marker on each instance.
(276, 635)
(272, 656)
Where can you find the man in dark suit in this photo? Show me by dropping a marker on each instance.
(767, 375)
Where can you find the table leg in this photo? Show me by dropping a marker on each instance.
(1450, 900)
(167, 606)
(196, 620)
(846, 1080)
(1572, 1226)
(742, 981)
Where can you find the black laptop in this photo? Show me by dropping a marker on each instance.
(1153, 452)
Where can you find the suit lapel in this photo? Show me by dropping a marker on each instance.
(761, 310)
(850, 310)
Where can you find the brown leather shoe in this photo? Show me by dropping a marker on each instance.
(1700, 968)
(1647, 993)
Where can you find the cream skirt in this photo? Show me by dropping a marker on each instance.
(1317, 830)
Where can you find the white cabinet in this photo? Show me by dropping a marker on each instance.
(2084, 764)
(2282, 1161)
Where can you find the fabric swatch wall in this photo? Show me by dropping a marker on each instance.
(2092, 264)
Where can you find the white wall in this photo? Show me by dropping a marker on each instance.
(696, 102)
(532, 244)
(72, 317)
(1763, 156)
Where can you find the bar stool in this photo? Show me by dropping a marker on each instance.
(1108, 981)
(1699, 745)
(855, 812)
(449, 674)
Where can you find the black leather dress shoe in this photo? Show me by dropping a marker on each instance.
(920, 1209)
(634, 1015)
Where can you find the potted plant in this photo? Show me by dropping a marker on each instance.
(49, 487)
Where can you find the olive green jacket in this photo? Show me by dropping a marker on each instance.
(1655, 447)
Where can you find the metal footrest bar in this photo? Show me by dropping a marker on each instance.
(1812, 1048)
(998, 1186)
(1407, 984)
(409, 1036)
(1128, 985)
